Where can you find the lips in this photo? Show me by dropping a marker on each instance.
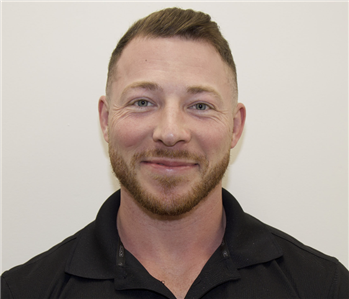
(169, 165)
(170, 162)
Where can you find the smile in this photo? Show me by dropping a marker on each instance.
(168, 165)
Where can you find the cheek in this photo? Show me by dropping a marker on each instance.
(215, 142)
(128, 133)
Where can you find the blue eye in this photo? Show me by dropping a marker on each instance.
(142, 103)
(200, 106)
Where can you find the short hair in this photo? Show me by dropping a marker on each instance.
(175, 22)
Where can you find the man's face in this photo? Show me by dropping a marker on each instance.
(170, 120)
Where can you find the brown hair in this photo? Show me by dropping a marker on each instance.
(171, 22)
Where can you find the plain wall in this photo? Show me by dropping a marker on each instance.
(290, 169)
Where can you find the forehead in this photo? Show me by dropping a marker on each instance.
(172, 62)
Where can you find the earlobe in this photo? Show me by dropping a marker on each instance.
(103, 110)
(239, 123)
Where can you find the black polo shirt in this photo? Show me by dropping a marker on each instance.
(253, 261)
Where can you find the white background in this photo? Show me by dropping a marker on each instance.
(290, 169)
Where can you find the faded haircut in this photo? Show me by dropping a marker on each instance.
(175, 22)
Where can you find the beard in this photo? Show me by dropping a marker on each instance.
(169, 203)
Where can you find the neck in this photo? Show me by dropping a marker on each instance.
(200, 229)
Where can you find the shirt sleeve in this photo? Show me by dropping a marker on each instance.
(340, 283)
(5, 290)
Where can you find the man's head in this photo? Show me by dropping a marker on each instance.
(175, 22)
(171, 118)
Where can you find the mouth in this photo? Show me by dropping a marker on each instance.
(169, 165)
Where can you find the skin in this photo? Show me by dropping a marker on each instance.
(177, 96)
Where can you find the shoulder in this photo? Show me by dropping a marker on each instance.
(293, 248)
(40, 272)
(55, 255)
(306, 266)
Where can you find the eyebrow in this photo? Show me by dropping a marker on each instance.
(152, 86)
(203, 89)
(141, 85)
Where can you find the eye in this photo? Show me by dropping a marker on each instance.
(143, 103)
(200, 106)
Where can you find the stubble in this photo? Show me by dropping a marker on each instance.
(169, 203)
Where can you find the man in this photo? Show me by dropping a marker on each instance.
(170, 117)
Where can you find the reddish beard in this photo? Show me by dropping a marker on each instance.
(168, 204)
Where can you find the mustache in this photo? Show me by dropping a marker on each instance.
(171, 154)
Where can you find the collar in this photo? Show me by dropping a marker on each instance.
(94, 254)
(247, 242)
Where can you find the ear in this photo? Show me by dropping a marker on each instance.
(239, 122)
(103, 110)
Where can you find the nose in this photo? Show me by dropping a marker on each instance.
(171, 127)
